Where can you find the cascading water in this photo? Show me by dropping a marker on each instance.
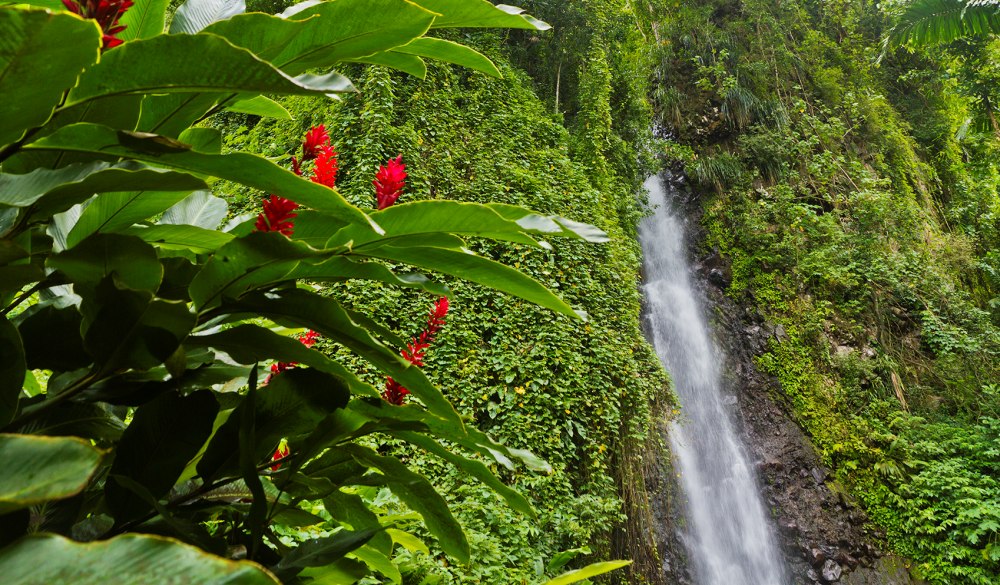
(728, 536)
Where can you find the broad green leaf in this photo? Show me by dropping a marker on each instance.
(131, 558)
(207, 140)
(77, 419)
(551, 225)
(343, 572)
(195, 15)
(146, 18)
(138, 68)
(249, 344)
(163, 436)
(12, 368)
(320, 552)
(431, 218)
(471, 468)
(181, 237)
(411, 64)
(329, 318)
(41, 469)
(200, 209)
(261, 106)
(379, 562)
(51, 336)
(41, 55)
(587, 572)
(319, 45)
(173, 113)
(113, 212)
(477, 269)
(449, 52)
(559, 560)
(129, 329)
(351, 509)
(255, 260)
(251, 170)
(54, 191)
(290, 406)
(132, 262)
(478, 14)
(341, 268)
(408, 541)
(421, 497)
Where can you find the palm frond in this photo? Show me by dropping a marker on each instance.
(931, 22)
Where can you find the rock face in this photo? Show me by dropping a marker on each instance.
(825, 535)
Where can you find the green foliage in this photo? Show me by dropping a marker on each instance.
(152, 323)
(513, 369)
(845, 208)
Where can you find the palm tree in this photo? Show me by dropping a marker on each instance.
(930, 22)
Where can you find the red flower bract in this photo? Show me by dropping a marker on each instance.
(316, 139)
(389, 182)
(106, 13)
(416, 350)
(326, 167)
(280, 453)
(277, 216)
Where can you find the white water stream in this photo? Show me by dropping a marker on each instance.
(727, 534)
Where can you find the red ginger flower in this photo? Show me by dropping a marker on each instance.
(416, 350)
(389, 182)
(316, 140)
(326, 167)
(280, 453)
(106, 13)
(277, 216)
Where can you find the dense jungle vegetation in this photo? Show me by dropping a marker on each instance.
(849, 183)
(855, 195)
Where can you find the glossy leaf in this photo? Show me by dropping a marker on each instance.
(289, 406)
(146, 18)
(449, 52)
(132, 262)
(42, 469)
(471, 468)
(406, 63)
(195, 15)
(255, 260)
(12, 367)
(131, 558)
(113, 212)
(181, 237)
(54, 191)
(329, 318)
(478, 14)
(587, 572)
(41, 55)
(249, 344)
(248, 169)
(261, 106)
(477, 269)
(324, 551)
(417, 493)
(163, 436)
(200, 209)
(137, 68)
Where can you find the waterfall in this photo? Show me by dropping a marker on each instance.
(727, 531)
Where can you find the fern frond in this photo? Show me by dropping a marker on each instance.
(931, 22)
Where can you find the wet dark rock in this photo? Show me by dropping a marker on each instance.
(812, 575)
(717, 277)
(831, 571)
(816, 557)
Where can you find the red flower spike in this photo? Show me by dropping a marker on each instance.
(316, 139)
(309, 338)
(280, 453)
(389, 182)
(296, 166)
(106, 13)
(277, 216)
(326, 167)
(394, 393)
(416, 350)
